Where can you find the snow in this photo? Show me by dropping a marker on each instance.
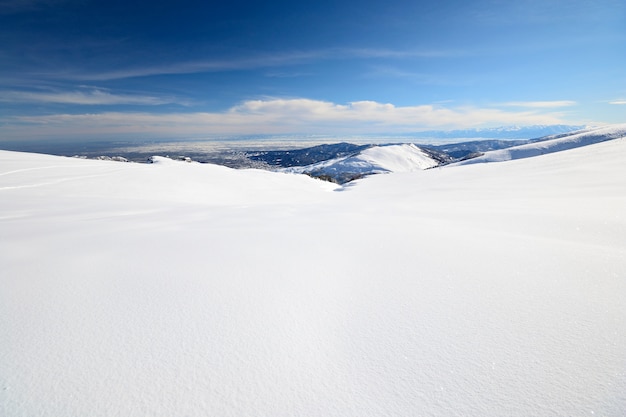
(559, 143)
(374, 160)
(187, 289)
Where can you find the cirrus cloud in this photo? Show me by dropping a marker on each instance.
(89, 97)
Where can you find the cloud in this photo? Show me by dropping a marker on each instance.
(388, 71)
(288, 74)
(620, 101)
(195, 67)
(91, 97)
(403, 54)
(21, 6)
(252, 62)
(368, 114)
(541, 104)
(276, 116)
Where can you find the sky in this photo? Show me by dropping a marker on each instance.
(94, 70)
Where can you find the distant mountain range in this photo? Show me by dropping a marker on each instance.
(551, 144)
(306, 156)
(504, 132)
(344, 162)
(374, 160)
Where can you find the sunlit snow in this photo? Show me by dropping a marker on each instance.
(374, 160)
(557, 144)
(185, 289)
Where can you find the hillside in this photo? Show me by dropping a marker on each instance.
(191, 289)
(552, 144)
(373, 160)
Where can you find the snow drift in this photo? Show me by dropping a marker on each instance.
(188, 289)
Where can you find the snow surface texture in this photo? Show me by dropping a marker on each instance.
(560, 143)
(181, 289)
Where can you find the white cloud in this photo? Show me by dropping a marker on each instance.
(281, 116)
(91, 97)
(366, 114)
(541, 104)
(617, 102)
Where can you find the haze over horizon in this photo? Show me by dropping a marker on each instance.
(97, 70)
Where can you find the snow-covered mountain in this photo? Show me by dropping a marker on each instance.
(305, 156)
(470, 149)
(373, 160)
(378, 159)
(503, 132)
(178, 288)
(552, 144)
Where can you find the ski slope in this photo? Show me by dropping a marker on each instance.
(182, 289)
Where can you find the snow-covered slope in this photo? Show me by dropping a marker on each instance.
(374, 160)
(502, 132)
(559, 143)
(165, 180)
(187, 289)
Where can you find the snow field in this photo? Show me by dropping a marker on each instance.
(187, 289)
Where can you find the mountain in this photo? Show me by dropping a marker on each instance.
(504, 132)
(552, 144)
(305, 156)
(374, 160)
(470, 149)
(345, 162)
(361, 161)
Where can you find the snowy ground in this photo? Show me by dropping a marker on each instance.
(179, 289)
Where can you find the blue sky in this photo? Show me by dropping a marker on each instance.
(95, 70)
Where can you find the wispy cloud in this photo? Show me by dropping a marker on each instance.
(19, 6)
(194, 67)
(540, 104)
(89, 97)
(403, 53)
(287, 74)
(252, 62)
(279, 116)
(387, 71)
(620, 101)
